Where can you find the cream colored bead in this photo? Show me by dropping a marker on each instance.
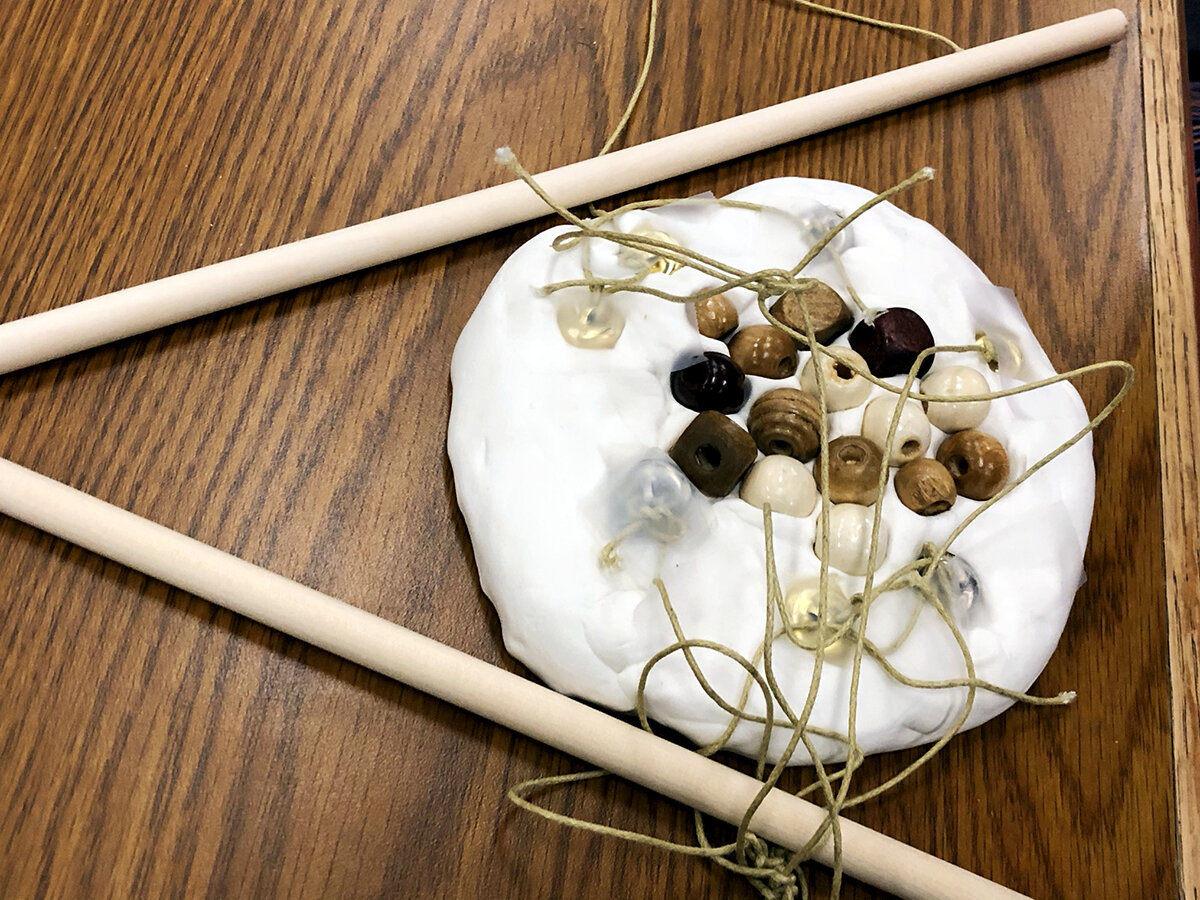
(954, 381)
(844, 388)
(911, 439)
(850, 538)
(783, 482)
(802, 607)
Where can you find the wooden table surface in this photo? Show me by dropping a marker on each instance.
(152, 745)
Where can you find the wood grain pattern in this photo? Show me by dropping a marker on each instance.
(1172, 213)
(152, 745)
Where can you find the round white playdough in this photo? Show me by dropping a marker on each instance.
(542, 433)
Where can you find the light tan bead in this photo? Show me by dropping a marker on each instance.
(802, 606)
(855, 463)
(783, 482)
(715, 316)
(926, 487)
(977, 462)
(844, 388)
(956, 381)
(764, 350)
(911, 439)
(786, 421)
(593, 324)
(850, 538)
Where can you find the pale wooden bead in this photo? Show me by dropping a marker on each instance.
(715, 316)
(954, 381)
(783, 482)
(911, 439)
(844, 388)
(802, 606)
(850, 538)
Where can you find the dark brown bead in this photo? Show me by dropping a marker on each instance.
(926, 487)
(716, 317)
(788, 422)
(977, 462)
(890, 341)
(854, 466)
(764, 350)
(711, 381)
(831, 317)
(714, 452)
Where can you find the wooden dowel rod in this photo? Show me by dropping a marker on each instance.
(90, 323)
(471, 684)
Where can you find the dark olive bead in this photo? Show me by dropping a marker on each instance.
(890, 340)
(714, 452)
(713, 381)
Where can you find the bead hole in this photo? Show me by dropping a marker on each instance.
(708, 457)
(779, 447)
(852, 455)
(939, 506)
(785, 366)
(910, 447)
(843, 371)
(957, 466)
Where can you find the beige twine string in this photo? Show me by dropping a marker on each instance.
(776, 872)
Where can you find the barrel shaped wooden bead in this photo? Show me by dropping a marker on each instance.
(828, 312)
(715, 316)
(850, 538)
(786, 421)
(783, 482)
(926, 487)
(855, 464)
(764, 350)
(911, 439)
(714, 452)
(977, 462)
(955, 381)
(844, 388)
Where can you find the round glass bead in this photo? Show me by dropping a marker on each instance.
(642, 260)
(656, 493)
(956, 585)
(591, 322)
(802, 606)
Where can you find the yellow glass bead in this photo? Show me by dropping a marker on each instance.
(590, 322)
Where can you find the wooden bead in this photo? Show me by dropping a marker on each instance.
(788, 422)
(890, 341)
(830, 315)
(850, 538)
(844, 388)
(714, 452)
(712, 381)
(956, 381)
(926, 487)
(977, 462)
(911, 439)
(855, 464)
(783, 482)
(716, 317)
(764, 350)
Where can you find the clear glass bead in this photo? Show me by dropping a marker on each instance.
(640, 260)
(591, 322)
(956, 585)
(802, 605)
(819, 222)
(656, 494)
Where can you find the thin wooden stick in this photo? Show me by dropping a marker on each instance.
(473, 685)
(79, 326)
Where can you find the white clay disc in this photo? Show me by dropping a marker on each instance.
(541, 434)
